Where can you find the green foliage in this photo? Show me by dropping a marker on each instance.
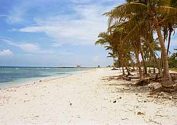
(173, 61)
(130, 36)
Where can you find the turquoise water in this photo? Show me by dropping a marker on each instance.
(8, 75)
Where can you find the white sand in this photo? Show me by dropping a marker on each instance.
(86, 98)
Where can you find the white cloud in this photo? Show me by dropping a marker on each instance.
(6, 52)
(3, 16)
(56, 45)
(16, 15)
(81, 28)
(28, 47)
(32, 29)
(19, 11)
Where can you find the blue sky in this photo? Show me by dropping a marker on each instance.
(53, 32)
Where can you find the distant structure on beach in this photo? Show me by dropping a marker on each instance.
(99, 66)
(78, 66)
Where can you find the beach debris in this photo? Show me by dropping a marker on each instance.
(114, 101)
(124, 118)
(40, 80)
(174, 76)
(162, 94)
(126, 78)
(155, 86)
(143, 82)
(174, 97)
(70, 103)
(126, 88)
(150, 120)
(26, 101)
(140, 113)
(133, 77)
(136, 106)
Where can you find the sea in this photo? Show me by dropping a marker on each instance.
(16, 75)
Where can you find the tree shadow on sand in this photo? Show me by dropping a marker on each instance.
(121, 85)
(117, 85)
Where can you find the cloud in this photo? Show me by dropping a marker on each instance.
(3, 16)
(53, 26)
(16, 14)
(79, 22)
(28, 47)
(82, 27)
(6, 52)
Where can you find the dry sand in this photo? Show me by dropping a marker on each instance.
(87, 98)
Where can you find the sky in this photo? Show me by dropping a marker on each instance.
(54, 32)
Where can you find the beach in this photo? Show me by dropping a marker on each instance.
(92, 97)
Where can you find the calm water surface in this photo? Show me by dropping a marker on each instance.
(14, 74)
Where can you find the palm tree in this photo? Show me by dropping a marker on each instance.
(112, 41)
(147, 14)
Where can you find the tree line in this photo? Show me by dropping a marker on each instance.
(139, 35)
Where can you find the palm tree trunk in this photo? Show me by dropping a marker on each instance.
(154, 69)
(139, 65)
(144, 63)
(123, 72)
(157, 62)
(128, 71)
(166, 73)
(169, 40)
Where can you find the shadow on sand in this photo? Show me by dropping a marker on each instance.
(117, 85)
(124, 86)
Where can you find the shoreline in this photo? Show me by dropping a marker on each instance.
(92, 97)
(34, 80)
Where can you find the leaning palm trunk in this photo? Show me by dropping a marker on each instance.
(122, 65)
(144, 63)
(154, 68)
(169, 40)
(128, 71)
(139, 65)
(166, 73)
(123, 71)
(156, 63)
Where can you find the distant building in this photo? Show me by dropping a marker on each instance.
(78, 66)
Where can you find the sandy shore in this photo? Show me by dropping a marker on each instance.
(92, 97)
